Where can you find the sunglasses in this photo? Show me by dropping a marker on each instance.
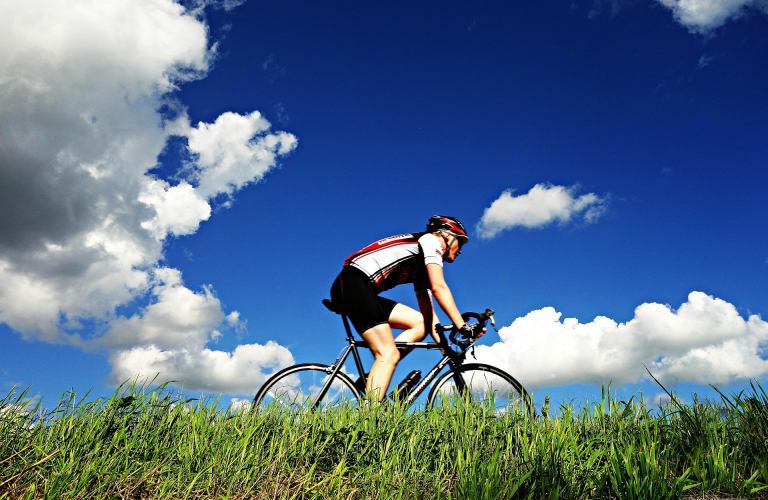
(450, 242)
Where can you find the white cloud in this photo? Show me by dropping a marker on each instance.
(228, 156)
(659, 400)
(84, 220)
(177, 318)
(704, 16)
(542, 205)
(704, 341)
(179, 209)
(238, 404)
(242, 371)
(170, 337)
(200, 5)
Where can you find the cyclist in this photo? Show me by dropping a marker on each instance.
(405, 258)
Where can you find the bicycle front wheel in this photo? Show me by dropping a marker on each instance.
(297, 388)
(481, 384)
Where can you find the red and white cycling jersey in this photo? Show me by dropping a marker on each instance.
(398, 259)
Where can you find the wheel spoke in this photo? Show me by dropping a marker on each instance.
(297, 388)
(479, 384)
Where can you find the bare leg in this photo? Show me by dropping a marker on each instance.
(411, 321)
(386, 356)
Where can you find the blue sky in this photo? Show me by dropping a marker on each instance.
(147, 230)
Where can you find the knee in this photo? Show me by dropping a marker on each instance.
(419, 331)
(416, 331)
(389, 356)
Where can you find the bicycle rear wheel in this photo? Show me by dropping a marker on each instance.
(297, 388)
(481, 384)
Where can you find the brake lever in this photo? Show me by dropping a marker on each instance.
(490, 314)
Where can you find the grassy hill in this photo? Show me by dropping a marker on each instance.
(153, 443)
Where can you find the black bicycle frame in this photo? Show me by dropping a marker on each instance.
(454, 359)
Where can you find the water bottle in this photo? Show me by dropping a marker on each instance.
(405, 387)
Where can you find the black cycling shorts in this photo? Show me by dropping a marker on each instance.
(353, 293)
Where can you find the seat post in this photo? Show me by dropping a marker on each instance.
(355, 354)
(350, 337)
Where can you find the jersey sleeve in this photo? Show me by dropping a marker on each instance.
(433, 251)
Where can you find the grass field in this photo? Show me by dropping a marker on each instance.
(152, 443)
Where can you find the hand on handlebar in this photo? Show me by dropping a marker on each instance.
(473, 331)
(468, 331)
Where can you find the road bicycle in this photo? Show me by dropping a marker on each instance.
(318, 386)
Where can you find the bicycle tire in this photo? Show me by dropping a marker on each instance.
(295, 387)
(481, 382)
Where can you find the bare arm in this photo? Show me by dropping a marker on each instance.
(443, 294)
(427, 310)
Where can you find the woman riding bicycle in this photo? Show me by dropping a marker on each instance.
(405, 258)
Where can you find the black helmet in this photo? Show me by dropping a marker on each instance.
(449, 225)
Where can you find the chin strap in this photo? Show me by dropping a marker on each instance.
(448, 244)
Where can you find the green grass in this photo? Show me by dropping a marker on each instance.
(152, 443)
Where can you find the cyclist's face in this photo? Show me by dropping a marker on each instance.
(453, 251)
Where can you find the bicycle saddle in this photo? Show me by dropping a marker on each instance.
(329, 304)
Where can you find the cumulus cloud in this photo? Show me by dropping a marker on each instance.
(704, 341)
(84, 219)
(542, 205)
(179, 209)
(703, 16)
(170, 337)
(234, 151)
(239, 372)
(659, 400)
(240, 405)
